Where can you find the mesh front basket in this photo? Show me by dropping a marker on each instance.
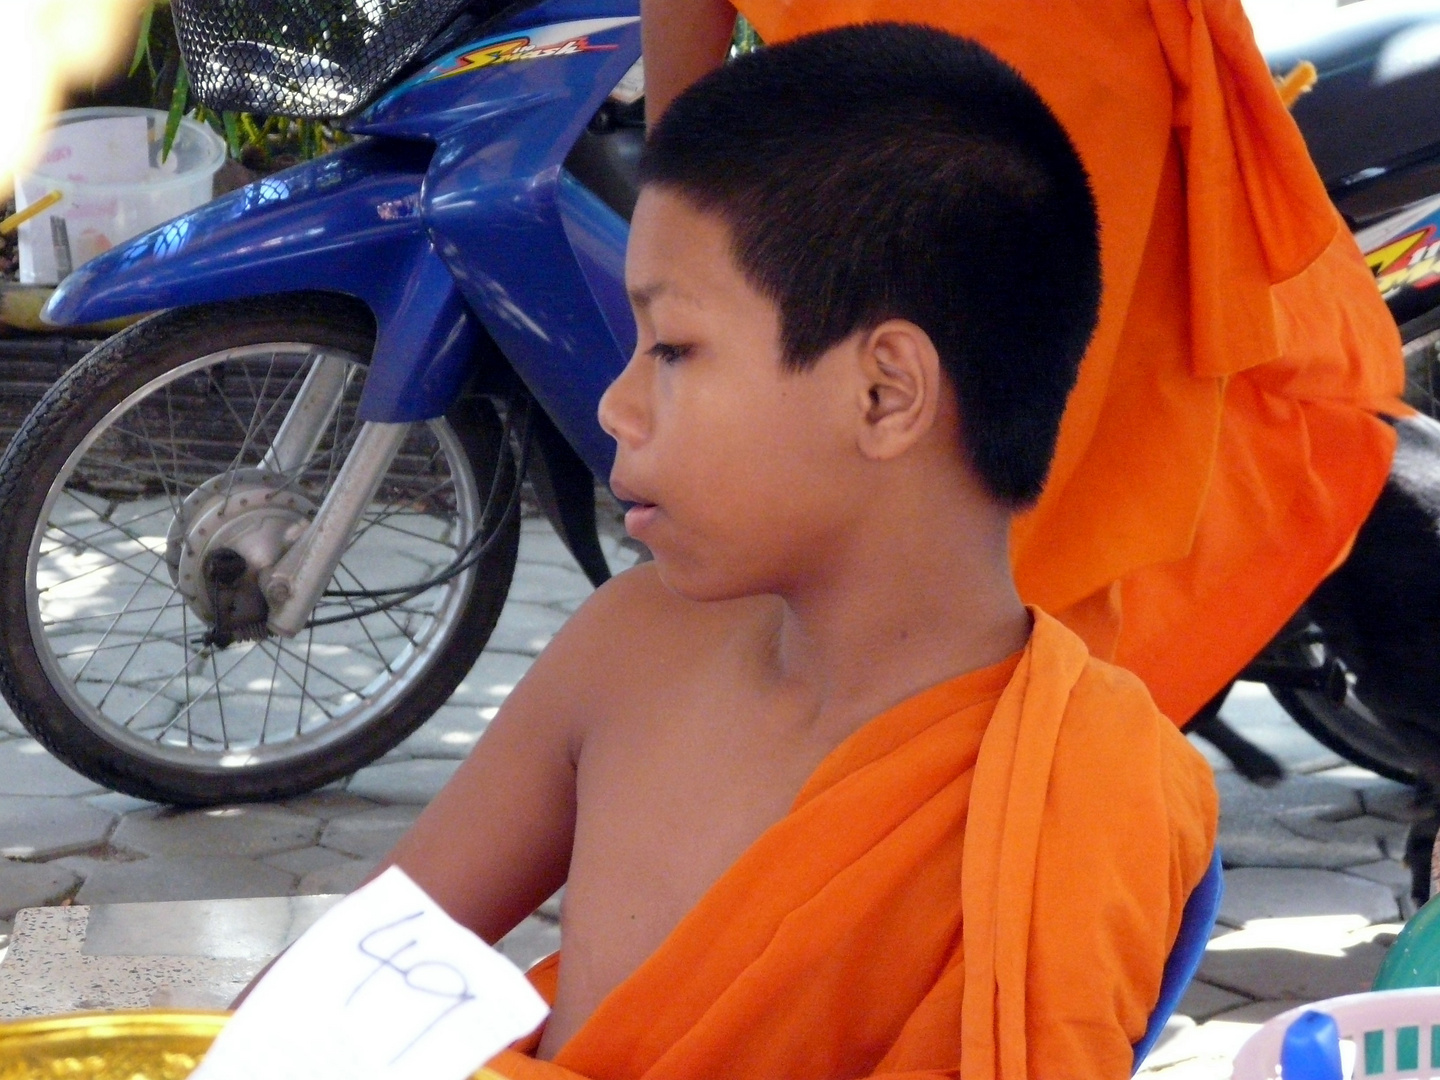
(304, 58)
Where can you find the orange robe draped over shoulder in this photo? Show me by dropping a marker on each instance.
(982, 882)
(1220, 449)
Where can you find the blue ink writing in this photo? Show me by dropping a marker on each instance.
(433, 977)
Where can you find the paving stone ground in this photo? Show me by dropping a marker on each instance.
(1314, 884)
(1314, 891)
(65, 839)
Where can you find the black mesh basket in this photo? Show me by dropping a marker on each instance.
(319, 59)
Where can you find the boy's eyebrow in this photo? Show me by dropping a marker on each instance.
(642, 296)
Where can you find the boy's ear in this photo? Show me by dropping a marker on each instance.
(901, 383)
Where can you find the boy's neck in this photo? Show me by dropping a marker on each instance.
(918, 599)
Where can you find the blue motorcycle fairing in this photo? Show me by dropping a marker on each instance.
(342, 212)
(598, 237)
(539, 262)
(347, 223)
(532, 262)
(495, 73)
(423, 348)
(534, 299)
(494, 205)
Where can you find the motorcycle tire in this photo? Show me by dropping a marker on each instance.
(1351, 728)
(1347, 729)
(110, 666)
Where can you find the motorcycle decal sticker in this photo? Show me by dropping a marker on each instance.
(542, 43)
(516, 49)
(1412, 261)
(1382, 260)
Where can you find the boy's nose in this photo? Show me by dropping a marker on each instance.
(622, 411)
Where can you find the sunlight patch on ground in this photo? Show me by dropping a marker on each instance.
(1317, 935)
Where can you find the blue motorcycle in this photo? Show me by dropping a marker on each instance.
(260, 537)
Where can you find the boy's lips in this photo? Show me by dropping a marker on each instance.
(639, 513)
(639, 517)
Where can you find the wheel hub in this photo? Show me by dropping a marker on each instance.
(228, 531)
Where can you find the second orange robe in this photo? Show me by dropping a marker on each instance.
(1221, 448)
(983, 882)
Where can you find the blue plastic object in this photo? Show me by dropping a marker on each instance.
(1311, 1050)
(454, 219)
(1198, 920)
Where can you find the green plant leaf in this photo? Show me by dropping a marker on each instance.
(142, 43)
(253, 136)
(178, 97)
(232, 133)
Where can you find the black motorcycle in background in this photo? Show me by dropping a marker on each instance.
(1358, 667)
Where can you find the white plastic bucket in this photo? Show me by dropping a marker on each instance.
(105, 163)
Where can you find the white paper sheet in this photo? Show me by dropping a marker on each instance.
(384, 986)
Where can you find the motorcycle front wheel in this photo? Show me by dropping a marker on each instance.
(113, 666)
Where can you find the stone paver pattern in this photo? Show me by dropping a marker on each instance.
(1315, 888)
(1315, 891)
(64, 839)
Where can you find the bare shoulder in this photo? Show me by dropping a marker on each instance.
(498, 838)
(628, 628)
(636, 607)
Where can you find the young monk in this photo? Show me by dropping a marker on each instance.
(1222, 446)
(827, 799)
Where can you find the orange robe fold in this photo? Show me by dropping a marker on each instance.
(982, 882)
(1220, 449)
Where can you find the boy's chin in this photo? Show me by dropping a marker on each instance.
(704, 585)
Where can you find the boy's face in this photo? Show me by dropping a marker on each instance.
(741, 468)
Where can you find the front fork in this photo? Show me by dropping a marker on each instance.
(293, 586)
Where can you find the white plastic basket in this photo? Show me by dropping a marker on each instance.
(1396, 1033)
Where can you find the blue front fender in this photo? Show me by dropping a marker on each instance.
(348, 223)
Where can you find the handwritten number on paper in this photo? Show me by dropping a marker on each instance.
(433, 977)
(385, 969)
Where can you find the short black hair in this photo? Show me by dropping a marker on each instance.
(889, 170)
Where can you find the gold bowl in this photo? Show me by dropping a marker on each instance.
(147, 1044)
(143, 1044)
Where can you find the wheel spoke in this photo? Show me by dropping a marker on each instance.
(299, 684)
(184, 668)
(125, 665)
(193, 700)
(383, 611)
(219, 702)
(150, 447)
(103, 615)
(360, 622)
(90, 649)
(108, 634)
(84, 544)
(105, 636)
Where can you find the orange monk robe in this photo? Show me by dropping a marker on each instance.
(982, 882)
(1220, 449)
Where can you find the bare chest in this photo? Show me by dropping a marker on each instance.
(666, 803)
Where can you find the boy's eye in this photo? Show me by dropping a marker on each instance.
(669, 354)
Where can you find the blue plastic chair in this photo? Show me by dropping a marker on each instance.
(1184, 960)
